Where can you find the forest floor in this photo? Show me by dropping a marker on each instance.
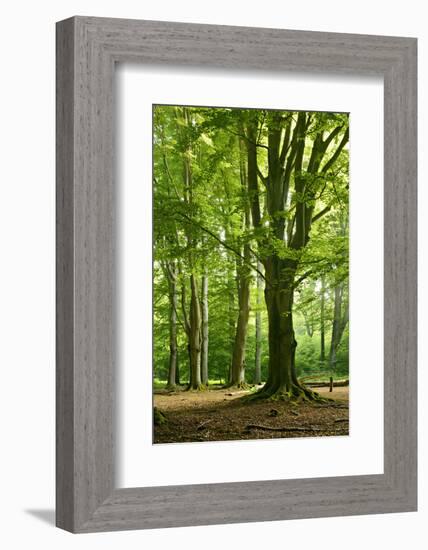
(220, 414)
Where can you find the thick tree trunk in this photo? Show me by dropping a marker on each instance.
(204, 352)
(281, 336)
(195, 322)
(282, 382)
(258, 355)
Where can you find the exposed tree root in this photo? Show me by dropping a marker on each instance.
(199, 387)
(239, 386)
(333, 404)
(297, 393)
(282, 428)
(159, 417)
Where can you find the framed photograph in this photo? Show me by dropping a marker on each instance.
(236, 274)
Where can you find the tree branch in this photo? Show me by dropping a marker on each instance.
(334, 157)
(321, 214)
(183, 308)
(332, 135)
(261, 176)
(223, 243)
(302, 278)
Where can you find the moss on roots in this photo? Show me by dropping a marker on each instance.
(159, 417)
(199, 387)
(296, 393)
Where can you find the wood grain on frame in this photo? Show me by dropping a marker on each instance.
(87, 49)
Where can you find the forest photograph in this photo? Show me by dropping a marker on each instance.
(250, 274)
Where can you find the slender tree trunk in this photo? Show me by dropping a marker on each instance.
(339, 321)
(177, 371)
(258, 355)
(204, 352)
(308, 325)
(238, 359)
(195, 321)
(336, 325)
(243, 277)
(322, 320)
(231, 314)
(186, 324)
(173, 354)
(339, 324)
(231, 331)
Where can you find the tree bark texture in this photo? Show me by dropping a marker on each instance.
(322, 321)
(204, 351)
(173, 351)
(195, 336)
(340, 320)
(238, 359)
(243, 277)
(259, 336)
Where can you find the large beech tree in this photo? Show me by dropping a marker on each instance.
(303, 150)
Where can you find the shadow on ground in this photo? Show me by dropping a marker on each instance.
(43, 514)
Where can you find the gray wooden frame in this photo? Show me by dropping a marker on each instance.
(87, 50)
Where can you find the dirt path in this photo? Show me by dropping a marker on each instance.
(219, 414)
